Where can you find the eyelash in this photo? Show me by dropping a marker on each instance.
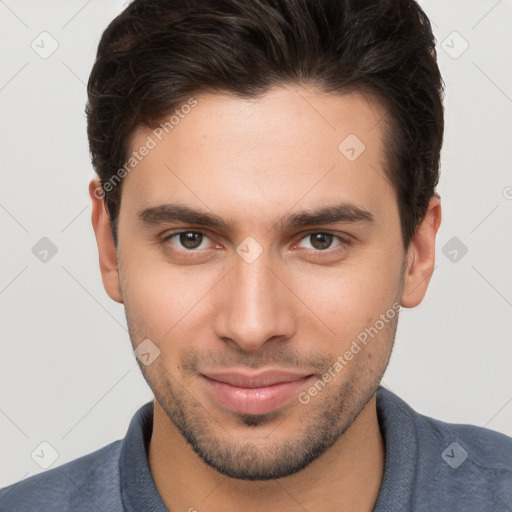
(344, 242)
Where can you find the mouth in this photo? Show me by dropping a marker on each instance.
(254, 393)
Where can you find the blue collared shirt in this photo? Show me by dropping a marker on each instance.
(430, 466)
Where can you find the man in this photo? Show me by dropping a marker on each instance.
(265, 205)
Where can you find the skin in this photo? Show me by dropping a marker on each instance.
(253, 162)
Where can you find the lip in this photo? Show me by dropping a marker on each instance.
(254, 393)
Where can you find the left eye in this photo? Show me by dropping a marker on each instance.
(321, 241)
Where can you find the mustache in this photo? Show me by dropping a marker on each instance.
(276, 356)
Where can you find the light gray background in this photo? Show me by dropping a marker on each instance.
(68, 375)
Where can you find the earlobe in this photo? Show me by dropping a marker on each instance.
(105, 241)
(421, 256)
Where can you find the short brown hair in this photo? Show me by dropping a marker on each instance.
(157, 53)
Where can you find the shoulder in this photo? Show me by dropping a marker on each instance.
(90, 482)
(443, 466)
(464, 465)
(483, 446)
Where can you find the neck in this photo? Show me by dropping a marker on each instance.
(346, 477)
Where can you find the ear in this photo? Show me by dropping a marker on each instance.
(420, 257)
(105, 241)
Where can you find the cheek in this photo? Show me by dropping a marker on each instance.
(163, 300)
(351, 298)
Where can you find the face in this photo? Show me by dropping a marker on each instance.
(252, 311)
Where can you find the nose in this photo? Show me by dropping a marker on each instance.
(254, 305)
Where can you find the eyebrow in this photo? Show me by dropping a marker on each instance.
(167, 213)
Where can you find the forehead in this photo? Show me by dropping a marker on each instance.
(265, 154)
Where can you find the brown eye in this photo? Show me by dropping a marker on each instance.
(185, 240)
(190, 239)
(320, 241)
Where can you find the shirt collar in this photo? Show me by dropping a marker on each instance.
(397, 426)
(138, 489)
